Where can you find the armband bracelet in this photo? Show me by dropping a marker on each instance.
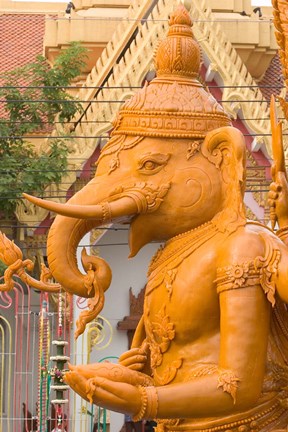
(106, 212)
(282, 233)
(152, 403)
(149, 404)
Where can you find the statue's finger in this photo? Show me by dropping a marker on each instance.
(274, 186)
(281, 177)
(273, 217)
(136, 366)
(90, 370)
(103, 388)
(103, 392)
(273, 195)
(91, 389)
(121, 397)
(273, 171)
(77, 383)
(71, 367)
(68, 377)
(271, 203)
(144, 348)
(128, 354)
(130, 361)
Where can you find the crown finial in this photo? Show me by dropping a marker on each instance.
(174, 104)
(180, 16)
(178, 54)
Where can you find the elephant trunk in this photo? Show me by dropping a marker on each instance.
(63, 239)
(66, 232)
(78, 216)
(74, 220)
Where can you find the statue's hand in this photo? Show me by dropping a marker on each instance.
(117, 390)
(111, 371)
(278, 199)
(117, 396)
(136, 358)
(82, 378)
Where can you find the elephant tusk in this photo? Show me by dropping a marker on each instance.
(104, 212)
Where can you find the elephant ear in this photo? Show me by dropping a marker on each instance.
(225, 148)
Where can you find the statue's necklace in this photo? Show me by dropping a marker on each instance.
(164, 264)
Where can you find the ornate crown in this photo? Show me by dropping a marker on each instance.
(174, 104)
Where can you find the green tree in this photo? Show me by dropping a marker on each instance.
(3, 267)
(34, 95)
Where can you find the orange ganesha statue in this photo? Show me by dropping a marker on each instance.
(211, 350)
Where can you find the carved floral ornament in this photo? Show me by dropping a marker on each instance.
(262, 270)
(11, 255)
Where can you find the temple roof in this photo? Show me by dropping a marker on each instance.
(21, 39)
(272, 79)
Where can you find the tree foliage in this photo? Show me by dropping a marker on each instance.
(3, 267)
(34, 95)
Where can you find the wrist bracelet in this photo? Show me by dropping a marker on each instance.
(149, 404)
(152, 403)
(106, 212)
(144, 401)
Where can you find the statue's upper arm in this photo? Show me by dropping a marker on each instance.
(250, 259)
(244, 328)
(245, 289)
(282, 274)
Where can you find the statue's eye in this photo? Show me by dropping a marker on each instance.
(151, 163)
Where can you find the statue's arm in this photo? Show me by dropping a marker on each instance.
(235, 384)
(238, 380)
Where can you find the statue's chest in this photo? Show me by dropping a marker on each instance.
(181, 306)
(182, 272)
(181, 293)
(182, 300)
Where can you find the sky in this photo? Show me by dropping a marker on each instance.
(261, 2)
(253, 2)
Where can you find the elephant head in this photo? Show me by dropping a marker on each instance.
(172, 164)
(161, 187)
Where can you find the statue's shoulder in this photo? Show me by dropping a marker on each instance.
(248, 242)
(253, 255)
(259, 229)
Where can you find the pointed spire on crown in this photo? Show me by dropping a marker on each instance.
(178, 54)
(174, 103)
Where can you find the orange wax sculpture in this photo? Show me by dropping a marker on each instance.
(210, 352)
